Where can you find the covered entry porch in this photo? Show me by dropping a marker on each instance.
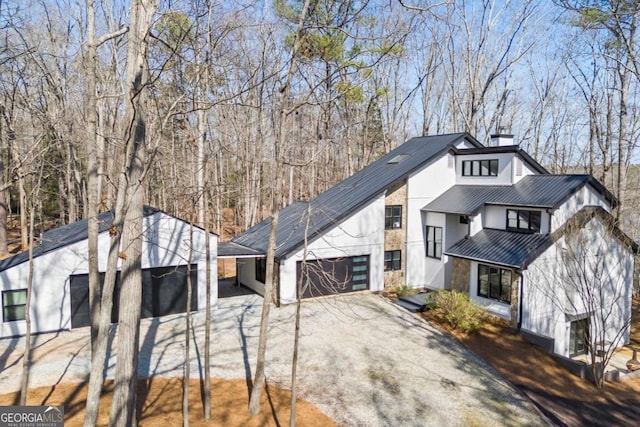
(230, 256)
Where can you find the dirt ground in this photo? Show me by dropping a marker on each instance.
(562, 397)
(160, 404)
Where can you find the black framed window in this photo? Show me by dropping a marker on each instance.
(494, 283)
(488, 167)
(392, 217)
(523, 220)
(392, 260)
(261, 269)
(14, 305)
(579, 337)
(434, 242)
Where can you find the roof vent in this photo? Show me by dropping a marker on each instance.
(397, 159)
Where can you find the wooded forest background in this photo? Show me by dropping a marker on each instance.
(562, 76)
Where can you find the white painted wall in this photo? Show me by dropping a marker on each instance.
(546, 302)
(247, 275)
(505, 169)
(359, 234)
(521, 169)
(496, 217)
(423, 187)
(586, 196)
(166, 243)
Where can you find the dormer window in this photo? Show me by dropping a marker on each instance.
(487, 167)
(392, 217)
(523, 220)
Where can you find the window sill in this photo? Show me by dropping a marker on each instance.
(497, 308)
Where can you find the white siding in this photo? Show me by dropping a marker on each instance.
(247, 275)
(166, 243)
(475, 224)
(496, 217)
(423, 187)
(525, 169)
(433, 273)
(360, 234)
(547, 303)
(586, 196)
(505, 170)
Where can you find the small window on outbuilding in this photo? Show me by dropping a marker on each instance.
(14, 305)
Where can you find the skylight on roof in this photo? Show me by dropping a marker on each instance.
(397, 159)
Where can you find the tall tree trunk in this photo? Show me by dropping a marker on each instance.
(187, 337)
(269, 286)
(258, 381)
(26, 358)
(94, 165)
(4, 202)
(296, 337)
(207, 322)
(124, 395)
(91, 57)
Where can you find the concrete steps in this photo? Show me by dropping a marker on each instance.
(414, 303)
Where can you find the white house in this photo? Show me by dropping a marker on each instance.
(446, 212)
(59, 297)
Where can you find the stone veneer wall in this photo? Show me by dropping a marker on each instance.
(461, 275)
(515, 298)
(397, 238)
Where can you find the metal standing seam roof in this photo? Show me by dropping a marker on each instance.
(345, 197)
(235, 250)
(536, 191)
(518, 250)
(66, 235)
(501, 247)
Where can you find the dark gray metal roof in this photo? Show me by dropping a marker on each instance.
(63, 236)
(234, 250)
(537, 191)
(501, 247)
(346, 197)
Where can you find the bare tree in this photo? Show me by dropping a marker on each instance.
(258, 382)
(588, 277)
(124, 396)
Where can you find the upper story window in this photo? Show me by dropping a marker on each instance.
(434, 242)
(392, 217)
(487, 167)
(523, 220)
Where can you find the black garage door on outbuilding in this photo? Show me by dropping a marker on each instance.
(164, 291)
(334, 275)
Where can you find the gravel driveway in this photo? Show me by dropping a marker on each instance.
(362, 360)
